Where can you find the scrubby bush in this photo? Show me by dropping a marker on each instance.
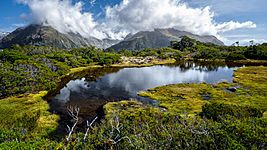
(235, 56)
(216, 111)
(162, 53)
(142, 128)
(109, 59)
(127, 53)
(186, 43)
(208, 53)
(201, 50)
(31, 68)
(258, 52)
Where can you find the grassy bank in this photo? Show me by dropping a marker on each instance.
(26, 122)
(189, 116)
(191, 97)
(197, 116)
(153, 62)
(143, 61)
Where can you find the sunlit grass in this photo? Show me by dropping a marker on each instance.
(186, 101)
(29, 113)
(188, 97)
(79, 69)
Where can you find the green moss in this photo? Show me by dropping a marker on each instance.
(26, 117)
(230, 120)
(189, 97)
(80, 69)
(216, 111)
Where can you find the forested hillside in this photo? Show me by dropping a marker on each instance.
(31, 69)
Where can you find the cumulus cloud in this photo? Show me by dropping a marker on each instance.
(129, 16)
(232, 25)
(63, 15)
(149, 14)
(136, 15)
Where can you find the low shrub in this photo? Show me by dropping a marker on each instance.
(235, 56)
(216, 111)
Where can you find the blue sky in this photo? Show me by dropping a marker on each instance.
(11, 12)
(14, 14)
(240, 10)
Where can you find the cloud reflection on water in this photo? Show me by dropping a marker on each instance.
(125, 83)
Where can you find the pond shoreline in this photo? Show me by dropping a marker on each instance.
(172, 99)
(94, 72)
(154, 61)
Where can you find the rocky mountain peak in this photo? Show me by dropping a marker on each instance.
(40, 35)
(160, 38)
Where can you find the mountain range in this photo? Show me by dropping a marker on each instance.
(39, 35)
(159, 38)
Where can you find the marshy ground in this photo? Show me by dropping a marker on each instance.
(175, 123)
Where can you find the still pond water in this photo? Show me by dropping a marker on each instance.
(93, 88)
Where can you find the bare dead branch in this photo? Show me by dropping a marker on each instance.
(89, 126)
(74, 113)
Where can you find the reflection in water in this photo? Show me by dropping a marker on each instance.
(72, 86)
(125, 83)
(133, 80)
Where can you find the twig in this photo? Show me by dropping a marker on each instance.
(74, 113)
(88, 127)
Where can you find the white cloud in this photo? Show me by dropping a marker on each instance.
(129, 16)
(136, 15)
(232, 25)
(62, 15)
(92, 2)
(244, 41)
(149, 14)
